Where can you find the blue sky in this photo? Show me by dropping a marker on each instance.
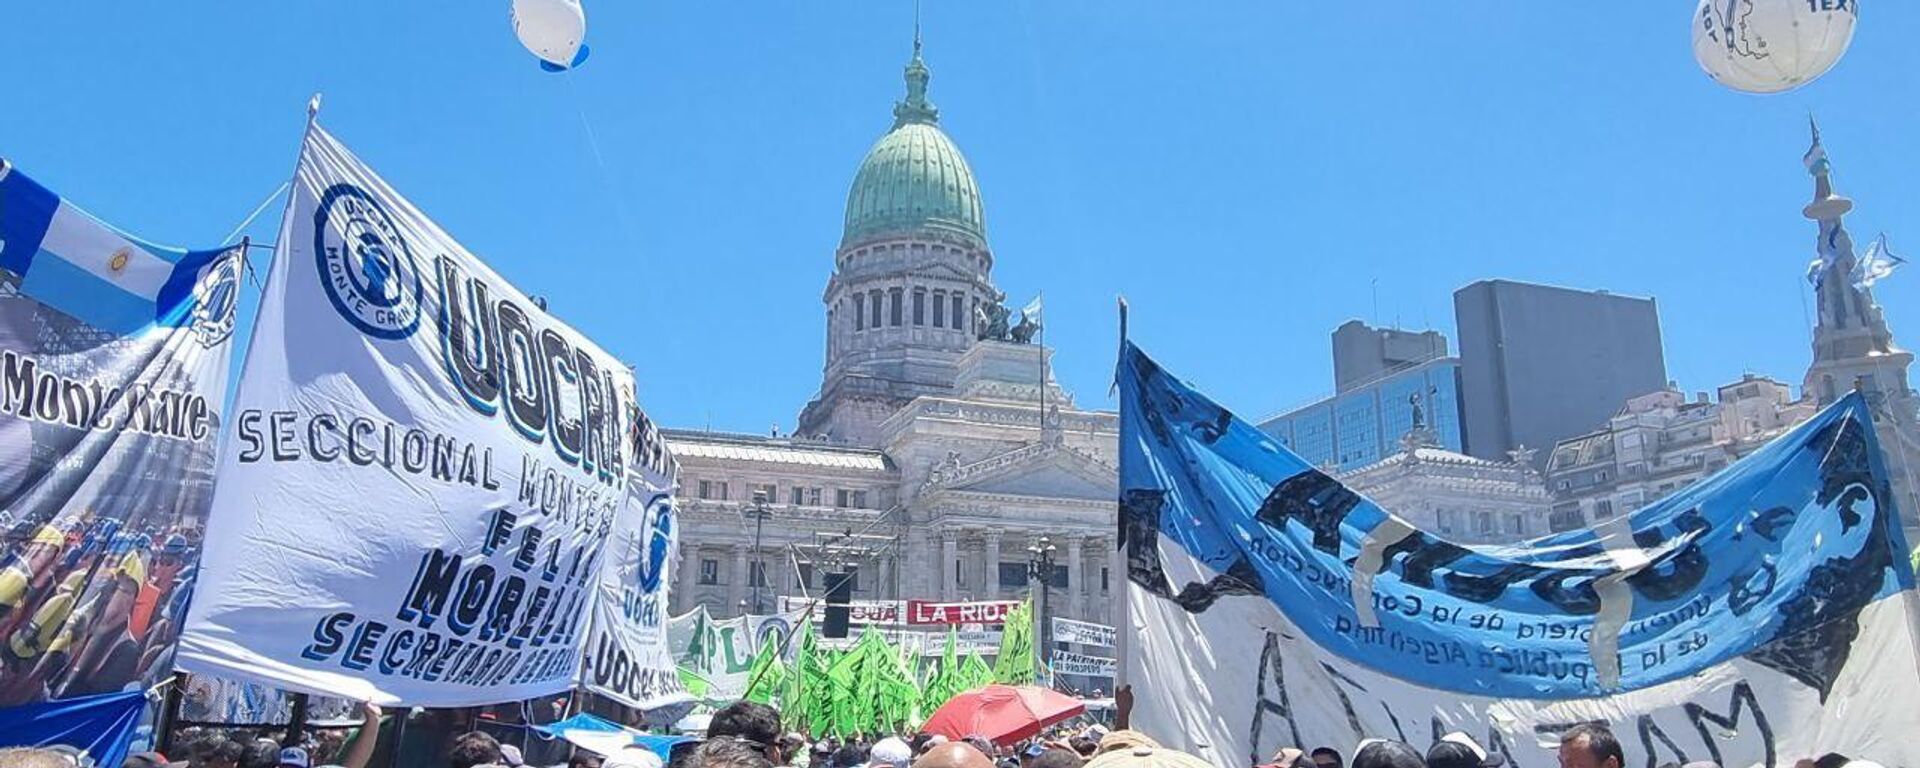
(1248, 174)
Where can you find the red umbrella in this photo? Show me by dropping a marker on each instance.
(1002, 713)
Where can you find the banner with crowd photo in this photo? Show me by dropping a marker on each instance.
(114, 357)
(1082, 633)
(1757, 617)
(715, 656)
(425, 472)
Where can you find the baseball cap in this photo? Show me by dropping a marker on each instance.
(1458, 750)
(510, 756)
(150, 760)
(294, 757)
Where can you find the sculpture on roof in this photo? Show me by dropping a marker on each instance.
(990, 321)
(1023, 333)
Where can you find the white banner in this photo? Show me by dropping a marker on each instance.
(627, 655)
(1082, 632)
(716, 655)
(1069, 663)
(858, 611)
(426, 471)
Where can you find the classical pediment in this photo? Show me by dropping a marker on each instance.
(1045, 470)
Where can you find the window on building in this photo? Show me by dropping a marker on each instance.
(1483, 523)
(1105, 573)
(765, 493)
(1449, 520)
(859, 314)
(713, 489)
(850, 499)
(806, 576)
(939, 309)
(873, 307)
(1603, 509)
(757, 574)
(796, 495)
(919, 306)
(709, 571)
(1013, 575)
(894, 298)
(1600, 477)
(1514, 524)
(959, 311)
(1566, 516)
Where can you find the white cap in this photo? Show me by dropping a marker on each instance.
(890, 752)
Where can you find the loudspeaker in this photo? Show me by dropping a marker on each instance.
(839, 594)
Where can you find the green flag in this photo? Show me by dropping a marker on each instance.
(793, 695)
(767, 676)
(1015, 663)
(946, 680)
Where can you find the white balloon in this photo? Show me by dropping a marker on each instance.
(551, 29)
(1769, 46)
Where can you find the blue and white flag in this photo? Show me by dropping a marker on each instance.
(114, 356)
(1878, 262)
(1756, 617)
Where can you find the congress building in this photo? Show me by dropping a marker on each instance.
(933, 464)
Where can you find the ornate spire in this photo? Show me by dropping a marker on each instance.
(916, 108)
(1826, 205)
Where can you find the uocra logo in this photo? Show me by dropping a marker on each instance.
(366, 266)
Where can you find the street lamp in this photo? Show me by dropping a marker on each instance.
(757, 573)
(1040, 564)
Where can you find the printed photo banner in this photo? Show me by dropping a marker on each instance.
(425, 475)
(1756, 617)
(114, 357)
(1082, 632)
(921, 612)
(1070, 663)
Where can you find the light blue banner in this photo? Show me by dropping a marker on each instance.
(1772, 559)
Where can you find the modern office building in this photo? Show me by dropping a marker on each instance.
(1382, 377)
(1541, 363)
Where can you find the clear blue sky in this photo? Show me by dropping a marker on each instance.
(1243, 171)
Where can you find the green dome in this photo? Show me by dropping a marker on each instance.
(914, 178)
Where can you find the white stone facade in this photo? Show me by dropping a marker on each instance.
(1458, 497)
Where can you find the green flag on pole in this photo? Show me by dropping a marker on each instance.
(1015, 663)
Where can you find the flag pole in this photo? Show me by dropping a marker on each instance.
(1041, 301)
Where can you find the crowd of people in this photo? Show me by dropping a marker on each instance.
(751, 735)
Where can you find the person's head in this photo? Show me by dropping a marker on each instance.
(33, 757)
(1057, 758)
(890, 752)
(932, 740)
(260, 753)
(293, 757)
(849, 756)
(1380, 753)
(728, 753)
(150, 760)
(1458, 750)
(1084, 746)
(1327, 757)
(954, 755)
(1590, 746)
(473, 748)
(223, 754)
(583, 759)
(750, 721)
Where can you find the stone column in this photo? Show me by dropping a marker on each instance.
(1076, 566)
(737, 591)
(990, 590)
(949, 560)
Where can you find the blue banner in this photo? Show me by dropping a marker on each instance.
(102, 726)
(1771, 560)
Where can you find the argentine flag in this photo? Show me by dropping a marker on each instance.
(70, 261)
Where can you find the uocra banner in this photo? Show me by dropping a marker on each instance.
(1757, 617)
(627, 656)
(425, 472)
(114, 355)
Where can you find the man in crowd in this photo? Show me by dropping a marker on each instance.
(751, 722)
(953, 755)
(1458, 750)
(728, 753)
(473, 748)
(1590, 746)
(1327, 757)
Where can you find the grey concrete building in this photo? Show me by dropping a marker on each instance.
(1541, 363)
(1363, 353)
